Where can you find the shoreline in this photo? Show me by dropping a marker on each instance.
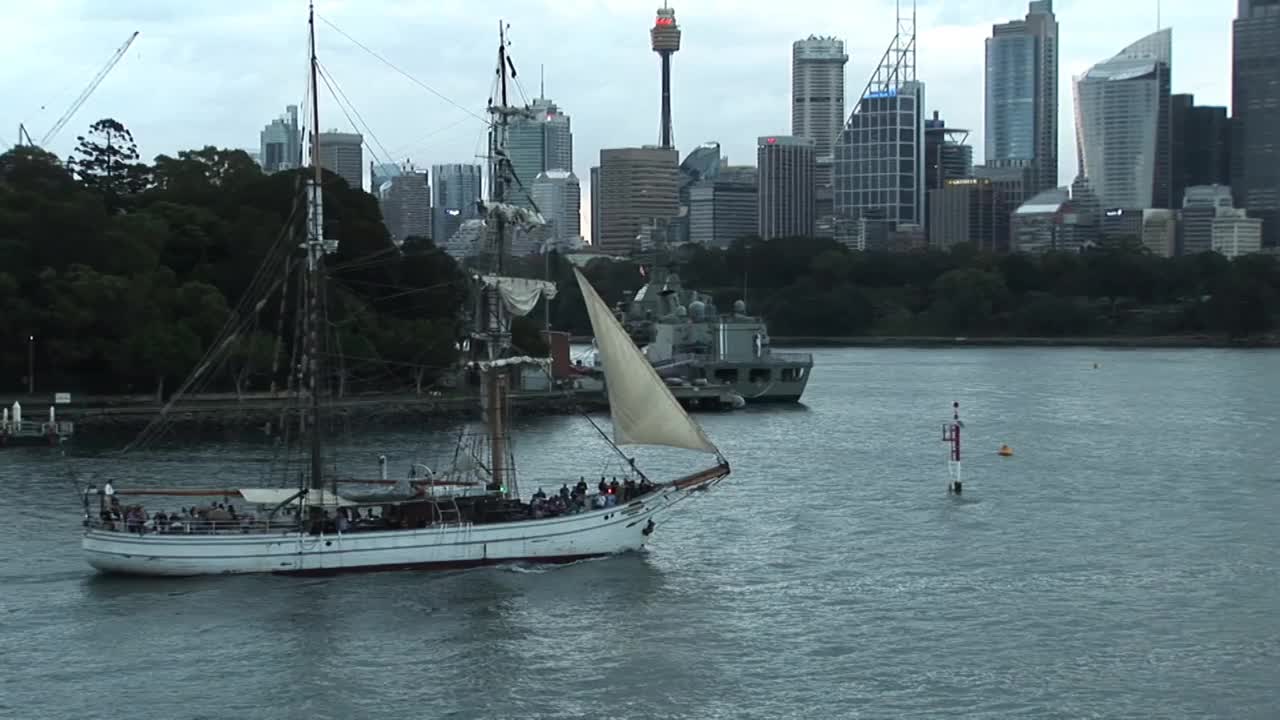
(1102, 341)
(1112, 341)
(219, 411)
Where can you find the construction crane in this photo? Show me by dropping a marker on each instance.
(84, 95)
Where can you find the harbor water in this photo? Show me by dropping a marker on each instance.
(1123, 563)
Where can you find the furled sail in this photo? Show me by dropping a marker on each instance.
(643, 409)
(519, 295)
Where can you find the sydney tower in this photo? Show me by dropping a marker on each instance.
(665, 36)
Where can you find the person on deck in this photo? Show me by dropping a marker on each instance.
(564, 492)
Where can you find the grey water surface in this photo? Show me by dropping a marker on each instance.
(1124, 563)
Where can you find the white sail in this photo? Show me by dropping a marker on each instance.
(643, 409)
(519, 295)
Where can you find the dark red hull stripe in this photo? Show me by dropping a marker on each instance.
(448, 565)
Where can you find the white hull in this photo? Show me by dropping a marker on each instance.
(569, 537)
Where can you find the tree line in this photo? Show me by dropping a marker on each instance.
(820, 288)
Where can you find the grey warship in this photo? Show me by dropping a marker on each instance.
(687, 340)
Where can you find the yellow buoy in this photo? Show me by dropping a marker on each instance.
(1005, 451)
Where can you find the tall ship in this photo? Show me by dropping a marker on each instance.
(688, 339)
(467, 514)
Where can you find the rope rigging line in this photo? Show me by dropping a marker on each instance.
(342, 106)
(328, 77)
(393, 66)
(254, 297)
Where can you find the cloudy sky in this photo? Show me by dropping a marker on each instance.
(215, 71)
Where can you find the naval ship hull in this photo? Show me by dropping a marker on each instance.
(780, 380)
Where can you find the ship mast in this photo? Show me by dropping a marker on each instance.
(315, 247)
(495, 328)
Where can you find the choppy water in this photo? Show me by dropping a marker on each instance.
(1125, 563)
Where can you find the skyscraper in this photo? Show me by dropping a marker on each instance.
(963, 211)
(380, 174)
(453, 199)
(946, 155)
(280, 144)
(343, 154)
(536, 144)
(638, 186)
(406, 204)
(786, 194)
(817, 94)
(559, 197)
(1200, 145)
(1022, 95)
(665, 37)
(1255, 92)
(595, 206)
(724, 209)
(1122, 125)
(879, 155)
(1201, 205)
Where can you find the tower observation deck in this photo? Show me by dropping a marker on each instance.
(665, 37)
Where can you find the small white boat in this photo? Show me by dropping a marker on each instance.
(453, 522)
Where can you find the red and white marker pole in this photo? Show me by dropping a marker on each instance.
(951, 435)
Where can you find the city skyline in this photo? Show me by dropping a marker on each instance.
(731, 84)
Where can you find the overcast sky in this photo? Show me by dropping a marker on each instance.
(215, 71)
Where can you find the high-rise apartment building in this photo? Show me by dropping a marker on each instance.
(456, 189)
(280, 143)
(1122, 125)
(406, 204)
(817, 95)
(559, 198)
(537, 143)
(343, 154)
(1022, 95)
(638, 186)
(595, 206)
(786, 195)
(1255, 93)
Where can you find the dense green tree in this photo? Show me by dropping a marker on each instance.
(127, 273)
(106, 160)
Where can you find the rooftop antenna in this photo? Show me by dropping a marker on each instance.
(542, 81)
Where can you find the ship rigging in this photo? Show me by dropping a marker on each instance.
(470, 513)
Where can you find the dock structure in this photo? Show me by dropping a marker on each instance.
(14, 430)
